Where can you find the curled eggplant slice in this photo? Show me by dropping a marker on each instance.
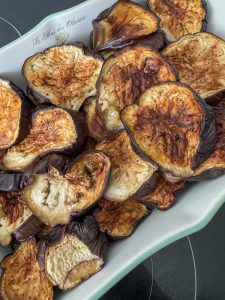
(131, 175)
(53, 197)
(15, 110)
(63, 75)
(122, 24)
(22, 278)
(180, 17)
(200, 61)
(163, 194)
(125, 76)
(173, 127)
(119, 219)
(77, 255)
(53, 130)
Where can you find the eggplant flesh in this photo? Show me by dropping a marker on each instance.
(200, 61)
(119, 219)
(53, 197)
(131, 175)
(123, 23)
(180, 17)
(62, 75)
(173, 127)
(125, 76)
(53, 130)
(18, 268)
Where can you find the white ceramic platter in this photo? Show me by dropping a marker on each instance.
(196, 205)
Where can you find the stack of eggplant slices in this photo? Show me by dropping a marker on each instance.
(102, 136)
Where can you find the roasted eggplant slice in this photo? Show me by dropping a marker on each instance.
(180, 17)
(76, 256)
(53, 197)
(62, 75)
(15, 111)
(173, 127)
(125, 76)
(119, 219)
(200, 61)
(131, 175)
(214, 166)
(123, 24)
(163, 194)
(22, 278)
(53, 130)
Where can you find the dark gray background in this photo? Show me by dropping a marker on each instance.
(191, 268)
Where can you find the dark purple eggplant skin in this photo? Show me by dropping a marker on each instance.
(122, 42)
(16, 181)
(39, 99)
(214, 100)
(146, 188)
(208, 174)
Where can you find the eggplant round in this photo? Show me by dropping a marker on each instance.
(180, 17)
(131, 175)
(173, 127)
(63, 75)
(200, 61)
(125, 76)
(122, 24)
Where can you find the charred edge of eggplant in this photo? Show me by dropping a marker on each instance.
(117, 43)
(157, 41)
(147, 187)
(156, 205)
(215, 99)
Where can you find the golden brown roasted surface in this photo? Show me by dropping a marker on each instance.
(22, 278)
(52, 197)
(124, 21)
(64, 75)
(52, 129)
(129, 171)
(10, 111)
(200, 62)
(118, 219)
(167, 125)
(70, 262)
(126, 76)
(13, 213)
(163, 195)
(179, 17)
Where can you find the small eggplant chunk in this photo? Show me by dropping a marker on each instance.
(76, 256)
(53, 197)
(200, 61)
(163, 194)
(125, 76)
(180, 17)
(122, 24)
(131, 175)
(173, 127)
(15, 111)
(22, 278)
(62, 75)
(53, 130)
(119, 219)
(13, 213)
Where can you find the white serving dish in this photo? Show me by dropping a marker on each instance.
(196, 205)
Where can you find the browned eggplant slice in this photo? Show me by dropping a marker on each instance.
(123, 24)
(180, 17)
(119, 219)
(131, 175)
(22, 278)
(214, 166)
(200, 61)
(53, 130)
(163, 194)
(15, 111)
(77, 255)
(62, 75)
(173, 127)
(125, 77)
(53, 197)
